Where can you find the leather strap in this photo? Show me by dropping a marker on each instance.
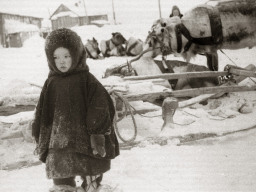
(216, 30)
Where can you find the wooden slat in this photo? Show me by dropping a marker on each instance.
(180, 75)
(204, 97)
(242, 72)
(11, 110)
(187, 92)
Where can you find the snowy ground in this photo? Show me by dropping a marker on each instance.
(216, 165)
(220, 164)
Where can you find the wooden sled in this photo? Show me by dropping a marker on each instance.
(232, 76)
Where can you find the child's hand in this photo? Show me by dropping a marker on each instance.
(98, 145)
(99, 150)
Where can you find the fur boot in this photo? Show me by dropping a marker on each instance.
(63, 188)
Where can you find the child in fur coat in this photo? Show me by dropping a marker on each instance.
(74, 116)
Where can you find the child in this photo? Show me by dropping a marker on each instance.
(73, 120)
(175, 12)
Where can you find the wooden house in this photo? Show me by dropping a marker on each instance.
(15, 28)
(70, 16)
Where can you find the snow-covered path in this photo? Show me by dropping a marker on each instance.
(220, 164)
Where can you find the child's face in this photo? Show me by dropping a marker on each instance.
(62, 59)
(176, 12)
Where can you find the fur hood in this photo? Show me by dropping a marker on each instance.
(68, 39)
(175, 7)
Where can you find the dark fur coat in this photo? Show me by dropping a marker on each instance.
(72, 105)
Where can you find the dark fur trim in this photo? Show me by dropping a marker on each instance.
(68, 39)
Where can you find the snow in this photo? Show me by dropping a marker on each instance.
(217, 164)
(100, 22)
(62, 14)
(14, 26)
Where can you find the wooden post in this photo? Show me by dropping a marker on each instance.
(85, 9)
(170, 104)
(114, 14)
(159, 7)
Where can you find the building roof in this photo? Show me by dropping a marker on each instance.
(14, 7)
(63, 10)
(19, 14)
(74, 10)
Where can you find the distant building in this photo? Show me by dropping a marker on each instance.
(15, 29)
(70, 16)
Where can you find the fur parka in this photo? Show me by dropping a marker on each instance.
(72, 105)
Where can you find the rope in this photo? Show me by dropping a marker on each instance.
(127, 106)
(145, 115)
(190, 114)
(142, 53)
(228, 57)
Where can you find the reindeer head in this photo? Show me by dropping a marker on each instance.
(158, 42)
(95, 45)
(92, 47)
(160, 38)
(118, 38)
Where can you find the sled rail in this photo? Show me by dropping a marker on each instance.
(242, 72)
(188, 92)
(203, 74)
(180, 75)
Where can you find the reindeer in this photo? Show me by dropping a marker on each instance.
(113, 46)
(206, 29)
(176, 66)
(146, 65)
(134, 46)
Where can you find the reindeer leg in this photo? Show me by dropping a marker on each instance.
(212, 61)
(170, 104)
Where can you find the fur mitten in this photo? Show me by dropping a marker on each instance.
(98, 144)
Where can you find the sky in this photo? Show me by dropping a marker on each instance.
(125, 11)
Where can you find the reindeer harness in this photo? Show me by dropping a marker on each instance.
(216, 31)
(88, 52)
(108, 45)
